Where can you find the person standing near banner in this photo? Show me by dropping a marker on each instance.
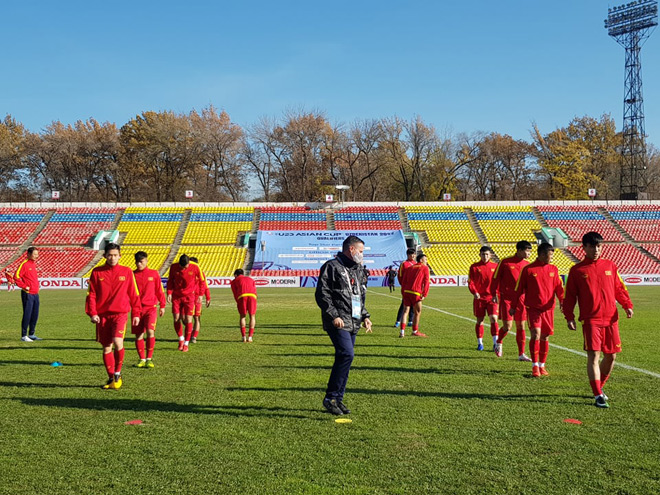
(245, 294)
(339, 296)
(27, 278)
(197, 315)
(410, 261)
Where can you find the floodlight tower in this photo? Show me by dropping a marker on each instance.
(630, 25)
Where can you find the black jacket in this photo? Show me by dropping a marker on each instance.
(339, 279)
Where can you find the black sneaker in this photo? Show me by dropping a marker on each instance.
(342, 407)
(332, 407)
(601, 402)
(34, 337)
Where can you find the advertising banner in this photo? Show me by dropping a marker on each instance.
(300, 250)
(641, 279)
(61, 283)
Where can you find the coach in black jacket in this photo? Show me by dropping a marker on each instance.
(340, 295)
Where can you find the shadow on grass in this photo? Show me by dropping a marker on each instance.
(32, 347)
(43, 363)
(140, 405)
(43, 385)
(358, 355)
(399, 369)
(419, 393)
(358, 345)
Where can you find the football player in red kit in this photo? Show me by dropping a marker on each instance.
(415, 285)
(203, 289)
(11, 283)
(539, 283)
(407, 263)
(112, 294)
(595, 285)
(479, 281)
(245, 294)
(182, 287)
(151, 295)
(503, 290)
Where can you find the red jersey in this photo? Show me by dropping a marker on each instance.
(243, 286)
(402, 268)
(506, 276)
(9, 277)
(203, 288)
(26, 276)
(539, 283)
(184, 282)
(150, 288)
(416, 280)
(595, 286)
(480, 278)
(112, 289)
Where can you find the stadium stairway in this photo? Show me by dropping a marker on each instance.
(539, 217)
(330, 220)
(404, 220)
(475, 226)
(649, 254)
(618, 227)
(255, 220)
(249, 260)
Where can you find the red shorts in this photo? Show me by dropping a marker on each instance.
(601, 338)
(505, 306)
(148, 319)
(246, 305)
(545, 320)
(410, 299)
(481, 307)
(183, 305)
(112, 325)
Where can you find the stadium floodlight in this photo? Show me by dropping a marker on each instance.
(630, 25)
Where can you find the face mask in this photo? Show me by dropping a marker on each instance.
(357, 257)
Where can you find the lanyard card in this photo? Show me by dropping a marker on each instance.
(356, 305)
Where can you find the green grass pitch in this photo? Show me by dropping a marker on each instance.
(429, 415)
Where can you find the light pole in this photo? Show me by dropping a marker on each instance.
(341, 188)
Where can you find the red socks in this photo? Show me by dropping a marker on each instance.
(139, 345)
(178, 328)
(109, 362)
(543, 351)
(494, 329)
(151, 343)
(119, 359)
(520, 339)
(479, 330)
(251, 332)
(415, 328)
(603, 380)
(596, 387)
(403, 326)
(189, 329)
(242, 331)
(195, 333)
(534, 350)
(502, 334)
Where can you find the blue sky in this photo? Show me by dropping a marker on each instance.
(462, 66)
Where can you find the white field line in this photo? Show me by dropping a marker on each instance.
(579, 353)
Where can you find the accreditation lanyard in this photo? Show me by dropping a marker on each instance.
(356, 299)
